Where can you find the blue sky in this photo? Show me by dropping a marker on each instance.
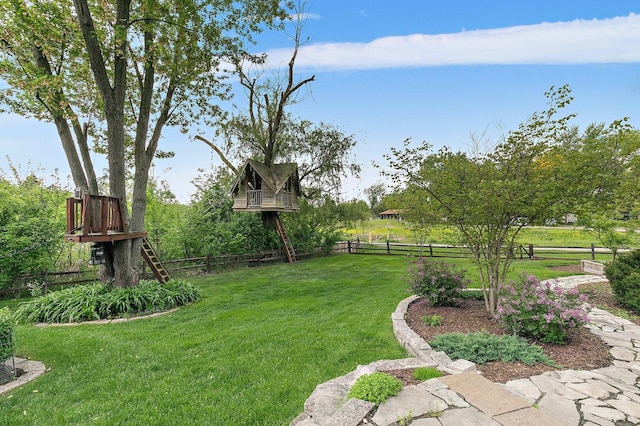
(427, 70)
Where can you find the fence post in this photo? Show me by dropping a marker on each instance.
(520, 250)
(349, 246)
(530, 251)
(388, 248)
(593, 251)
(208, 263)
(430, 250)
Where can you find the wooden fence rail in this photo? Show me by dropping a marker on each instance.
(210, 264)
(194, 265)
(452, 251)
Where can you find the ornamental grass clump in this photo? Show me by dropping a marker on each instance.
(540, 310)
(100, 301)
(439, 283)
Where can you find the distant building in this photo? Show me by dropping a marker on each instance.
(391, 214)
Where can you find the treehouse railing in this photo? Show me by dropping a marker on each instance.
(254, 198)
(94, 214)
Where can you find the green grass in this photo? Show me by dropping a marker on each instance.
(249, 353)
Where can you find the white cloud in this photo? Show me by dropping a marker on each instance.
(613, 40)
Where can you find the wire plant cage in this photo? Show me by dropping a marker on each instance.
(8, 370)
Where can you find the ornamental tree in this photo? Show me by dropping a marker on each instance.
(483, 193)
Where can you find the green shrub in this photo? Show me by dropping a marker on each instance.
(432, 320)
(542, 311)
(376, 387)
(98, 301)
(624, 276)
(439, 283)
(485, 347)
(426, 373)
(6, 334)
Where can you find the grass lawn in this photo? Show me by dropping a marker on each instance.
(249, 353)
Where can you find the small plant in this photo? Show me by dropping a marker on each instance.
(37, 288)
(439, 283)
(432, 320)
(485, 347)
(406, 420)
(542, 311)
(426, 373)
(434, 414)
(6, 334)
(624, 276)
(375, 387)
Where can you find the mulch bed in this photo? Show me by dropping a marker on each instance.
(583, 351)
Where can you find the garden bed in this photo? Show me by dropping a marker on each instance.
(583, 351)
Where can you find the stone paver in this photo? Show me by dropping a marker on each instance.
(604, 396)
(486, 396)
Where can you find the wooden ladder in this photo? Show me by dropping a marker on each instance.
(154, 263)
(291, 253)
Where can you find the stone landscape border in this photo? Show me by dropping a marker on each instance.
(30, 371)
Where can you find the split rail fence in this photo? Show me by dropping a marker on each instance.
(208, 264)
(452, 251)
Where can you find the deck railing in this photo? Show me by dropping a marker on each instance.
(254, 198)
(94, 214)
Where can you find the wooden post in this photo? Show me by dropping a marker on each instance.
(86, 214)
(430, 250)
(208, 263)
(104, 216)
(388, 248)
(593, 251)
(520, 250)
(530, 251)
(349, 246)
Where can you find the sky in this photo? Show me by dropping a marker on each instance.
(444, 72)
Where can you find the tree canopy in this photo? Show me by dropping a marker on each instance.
(264, 129)
(120, 71)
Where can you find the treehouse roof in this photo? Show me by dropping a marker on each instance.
(275, 177)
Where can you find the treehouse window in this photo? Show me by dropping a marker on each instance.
(254, 181)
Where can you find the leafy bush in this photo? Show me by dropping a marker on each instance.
(432, 320)
(375, 387)
(485, 347)
(98, 301)
(542, 311)
(426, 373)
(6, 334)
(439, 283)
(624, 276)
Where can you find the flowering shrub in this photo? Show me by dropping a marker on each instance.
(542, 311)
(439, 283)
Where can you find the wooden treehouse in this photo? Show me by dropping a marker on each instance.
(98, 219)
(268, 190)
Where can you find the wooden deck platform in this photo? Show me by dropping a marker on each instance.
(96, 219)
(102, 238)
